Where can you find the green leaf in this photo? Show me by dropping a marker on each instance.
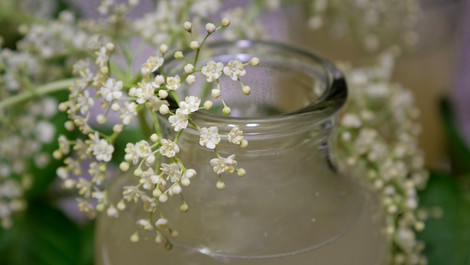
(129, 135)
(460, 153)
(42, 236)
(447, 238)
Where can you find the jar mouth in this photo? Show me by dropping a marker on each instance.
(330, 83)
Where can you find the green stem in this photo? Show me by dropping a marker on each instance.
(144, 125)
(40, 91)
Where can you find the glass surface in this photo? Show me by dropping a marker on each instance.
(292, 207)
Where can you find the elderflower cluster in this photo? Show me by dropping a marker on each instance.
(54, 38)
(123, 102)
(26, 128)
(22, 138)
(371, 21)
(378, 133)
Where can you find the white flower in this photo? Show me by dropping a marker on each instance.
(144, 224)
(161, 223)
(64, 145)
(179, 121)
(172, 83)
(142, 149)
(45, 131)
(351, 120)
(173, 171)
(155, 103)
(221, 164)
(212, 70)
(152, 64)
(103, 151)
(84, 102)
(235, 69)
(144, 92)
(103, 57)
(158, 81)
(190, 104)
(112, 90)
(148, 179)
(131, 193)
(204, 8)
(209, 137)
(235, 136)
(131, 154)
(190, 173)
(169, 148)
(129, 112)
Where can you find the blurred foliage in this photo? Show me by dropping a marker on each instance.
(448, 238)
(44, 235)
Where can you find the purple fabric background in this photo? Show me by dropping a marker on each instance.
(461, 93)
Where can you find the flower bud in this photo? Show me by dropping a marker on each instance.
(163, 48)
(246, 90)
(179, 55)
(225, 22)
(210, 28)
(188, 26)
(194, 45)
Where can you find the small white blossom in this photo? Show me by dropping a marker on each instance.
(212, 70)
(351, 120)
(204, 8)
(190, 104)
(45, 131)
(112, 90)
(144, 92)
(161, 223)
(129, 112)
(142, 149)
(144, 224)
(173, 171)
(209, 137)
(172, 83)
(221, 164)
(179, 121)
(149, 179)
(103, 151)
(235, 136)
(235, 69)
(103, 57)
(151, 65)
(169, 148)
(131, 154)
(155, 103)
(158, 81)
(190, 173)
(84, 102)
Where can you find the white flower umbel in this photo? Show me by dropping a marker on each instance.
(209, 137)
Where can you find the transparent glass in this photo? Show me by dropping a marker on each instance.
(292, 207)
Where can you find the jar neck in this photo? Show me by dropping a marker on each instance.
(303, 90)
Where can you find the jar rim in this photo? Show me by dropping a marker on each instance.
(326, 105)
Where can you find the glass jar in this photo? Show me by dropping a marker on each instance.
(292, 207)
